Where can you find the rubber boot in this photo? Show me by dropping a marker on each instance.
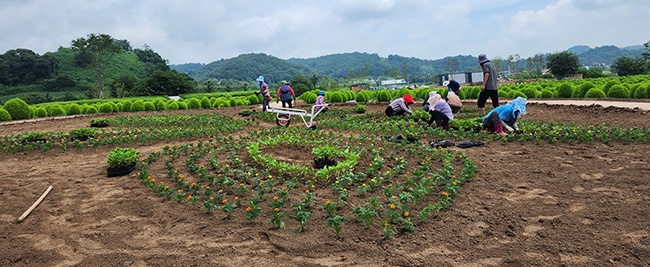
(498, 128)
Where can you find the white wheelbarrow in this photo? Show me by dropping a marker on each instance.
(283, 117)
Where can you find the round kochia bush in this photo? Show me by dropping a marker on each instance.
(595, 93)
(73, 109)
(138, 105)
(4, 115)
(55, 110)
(565, 90)
(618, 91)
(18, 109)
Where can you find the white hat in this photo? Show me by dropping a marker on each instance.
(445, 83)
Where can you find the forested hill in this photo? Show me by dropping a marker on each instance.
(349, 65)
(354, 65)
(607, 54)
(248, 67)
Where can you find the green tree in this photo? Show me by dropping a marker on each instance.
(535, 64)
(97, 49)
(626, 66)
(646, 53)
(167, 83)
(563, 64)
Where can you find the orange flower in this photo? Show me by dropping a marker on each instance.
(189, 197)
(224, 201)
(392, 206)
(207, 187)
(248, 208)
(220, 191)
(236, 198)
(166, 187)
(327, 202)
(211, 198)
(406, 214)
(444, 193)
(453, 183)
(275, 197)
(307, 191)
(276, 209)
(193, 184)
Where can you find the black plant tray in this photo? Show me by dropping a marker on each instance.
(81, 138)
(120, 170)
(319, 164)
(99, 125)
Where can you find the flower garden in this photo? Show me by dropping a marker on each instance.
(236, 167)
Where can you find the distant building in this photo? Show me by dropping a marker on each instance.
(393, 84)
(462, 77)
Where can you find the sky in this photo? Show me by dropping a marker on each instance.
(203, 31)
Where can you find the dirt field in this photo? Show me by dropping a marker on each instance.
(528, 205)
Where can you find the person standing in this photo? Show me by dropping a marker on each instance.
(264, 91)
(285, 94)
(489, 88)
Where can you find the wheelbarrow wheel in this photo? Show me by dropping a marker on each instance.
(283, 120)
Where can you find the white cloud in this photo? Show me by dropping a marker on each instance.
(204, 30)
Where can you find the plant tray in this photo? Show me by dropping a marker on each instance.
(319, 164)
(99, 125)
(120, 170)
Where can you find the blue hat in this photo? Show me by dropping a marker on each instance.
(321, 92)
(260, 79)
(519, 104)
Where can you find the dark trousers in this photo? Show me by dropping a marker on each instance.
(455, 109)
(265, 103)
(390, 112)
(440, 118)
(492, 94)
(284, 102)
(491, 121)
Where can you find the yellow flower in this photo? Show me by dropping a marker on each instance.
(211, 198)
(270, 176)
(276, 209)
(236, 198)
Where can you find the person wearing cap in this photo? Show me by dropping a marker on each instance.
(264, 91)
(489, 88)
(320, 101)
(505, 116)
(439, 110)
(452, 96)
(399, 106)
(285, 94)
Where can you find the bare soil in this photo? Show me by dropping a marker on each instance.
(528, 205)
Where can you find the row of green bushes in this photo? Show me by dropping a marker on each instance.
(17, 109)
